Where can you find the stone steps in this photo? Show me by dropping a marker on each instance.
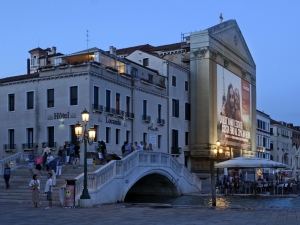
(19, 182)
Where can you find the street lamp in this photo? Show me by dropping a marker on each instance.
(297, 172)
(88, 138)
(217, 150)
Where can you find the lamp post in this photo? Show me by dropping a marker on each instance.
(87, 138)
(297, 172)
(217, 150)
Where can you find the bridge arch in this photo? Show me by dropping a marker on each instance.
(153, 182)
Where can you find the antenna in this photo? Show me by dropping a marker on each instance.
(221, 18)
(87, 43)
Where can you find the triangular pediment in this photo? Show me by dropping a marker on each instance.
(229, 34)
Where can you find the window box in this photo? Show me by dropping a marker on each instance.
(126, 75)
(77, 64)
(111, 69)
(46, 68)
(96, 64)
(145, 81)
(160, 86)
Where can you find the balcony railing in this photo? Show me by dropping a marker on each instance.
(28, 145)
(160, 121)
(9, 147)
(175, 150)
(129, 115)
(146, 118)
(110, 110)
(98, 108)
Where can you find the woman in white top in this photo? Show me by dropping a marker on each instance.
(34, 185)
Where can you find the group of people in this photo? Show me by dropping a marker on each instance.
(128, 148)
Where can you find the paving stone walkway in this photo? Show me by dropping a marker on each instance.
(121, 214)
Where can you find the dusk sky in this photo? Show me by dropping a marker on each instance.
(270, 28)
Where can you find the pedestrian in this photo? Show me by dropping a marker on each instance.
(46, 151)
(72, 152)
(123, 148)
(49, 159)
(150, 147)
(77, 156)
(31, 159)
(34, 185)
(103, 151)
(38, 167)
(48, 190)
(52, 169)
(59, 167)
(6, 175)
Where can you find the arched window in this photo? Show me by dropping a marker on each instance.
(34, 60)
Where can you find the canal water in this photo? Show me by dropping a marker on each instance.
(224, 201)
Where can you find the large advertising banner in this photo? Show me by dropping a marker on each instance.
(233, 109)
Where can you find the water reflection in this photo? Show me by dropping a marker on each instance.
(224, 201)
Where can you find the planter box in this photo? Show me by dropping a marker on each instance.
(125, 76)
(160, 87)
(63, 67)
(96, 65)
(47, 69)
(111, 71)
(146, 82)
(82, 64)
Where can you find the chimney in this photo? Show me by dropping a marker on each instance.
(28, 66)
(53, 50)
(112, 50)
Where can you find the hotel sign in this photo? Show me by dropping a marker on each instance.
(116, 122)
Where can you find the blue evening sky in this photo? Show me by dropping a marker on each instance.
(270, 28)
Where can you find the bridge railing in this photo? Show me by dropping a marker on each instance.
(124, 166)
(13, 161)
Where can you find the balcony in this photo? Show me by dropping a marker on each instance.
(129, 115)
(176, 151)
(28, 146)
(51, 145)
(98, 108)
(9, 147)
(160, 122)
(146, 118)
(110, 111)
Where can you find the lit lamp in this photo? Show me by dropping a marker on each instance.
(217, 150)
(88, 138)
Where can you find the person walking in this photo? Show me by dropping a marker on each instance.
(77, 156)
(38, 167)
(103, 151)
(59, 167)
(34, 185)
(46, 151)
(52, 169)
(31, 159)
(6, 175)
(48, 190)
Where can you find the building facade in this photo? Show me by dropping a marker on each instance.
(281, 142)
(263, 135)
(126, 101)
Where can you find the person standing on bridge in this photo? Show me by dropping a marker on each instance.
(34, 185)
(6, 176)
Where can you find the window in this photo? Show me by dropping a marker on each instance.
(107, 104)
(187, 111)
(107, 134)
(96, 97)
(117, 136)
(128, 136)
(159, 141)
(11, 138)
(186, 138)
(51, 137)
(96, 133)
(146, 62)
(173, 81)
(30, 137)
(144, 107)
(134, 72)
(117, 101)
(175, 149)
(74, 95)
(11, 102)
(175, 108)
(33, 61)
(186, 86)
(30, 101)
(159, 112)
(50, 98)
(150, 78)
(145, 138)
(73, 135)
(271, 131)
(127, 104)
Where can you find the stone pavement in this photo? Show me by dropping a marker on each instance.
(121, 214)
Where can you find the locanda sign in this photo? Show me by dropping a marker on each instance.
(116, 122)
(61, 116)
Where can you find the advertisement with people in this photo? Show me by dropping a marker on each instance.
(233, 109)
